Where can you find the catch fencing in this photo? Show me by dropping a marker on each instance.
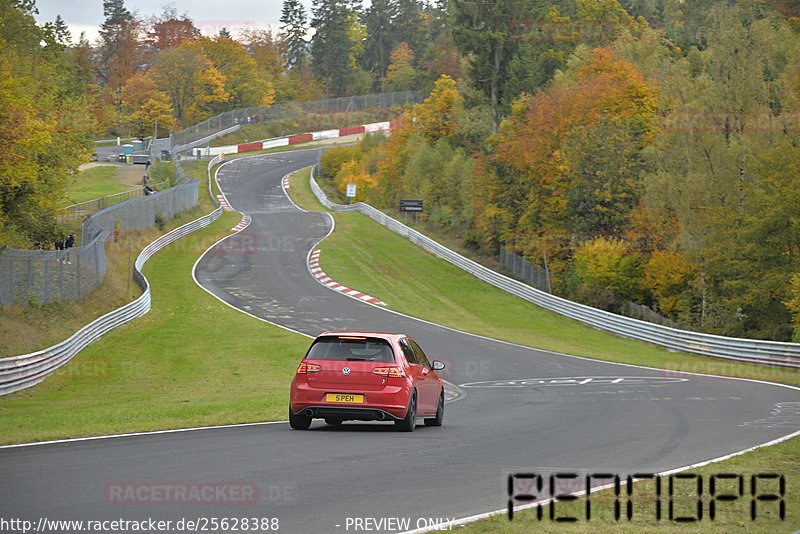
(144, 212)
(245, 116)
(521, 268)
(26, 370)
(39, 277)
(84, 209)
(746, 350)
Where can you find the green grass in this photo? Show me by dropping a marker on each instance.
(190, 361)
(94, 183)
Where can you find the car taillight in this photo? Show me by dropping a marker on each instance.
(306, 368)
(395, 372)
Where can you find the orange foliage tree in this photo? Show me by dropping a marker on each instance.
(529, 162)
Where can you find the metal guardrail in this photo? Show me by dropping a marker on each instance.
(214, 161)
(26, 370)
(746, 350)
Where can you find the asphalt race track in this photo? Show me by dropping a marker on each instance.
(523, 410)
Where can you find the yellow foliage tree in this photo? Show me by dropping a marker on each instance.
(187, 77)
(668, 275)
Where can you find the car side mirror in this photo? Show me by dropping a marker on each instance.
(437, 365)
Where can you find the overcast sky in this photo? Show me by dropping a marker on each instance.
(208, 15)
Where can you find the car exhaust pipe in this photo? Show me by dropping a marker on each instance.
(308, 412)
(381, 416)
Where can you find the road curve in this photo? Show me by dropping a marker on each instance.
(524, 410)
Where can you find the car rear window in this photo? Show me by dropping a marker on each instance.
(351, 348)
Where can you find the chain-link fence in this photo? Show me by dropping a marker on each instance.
(45, 276)
(140, 213)
(521, 268)
(84, 209)
(292, 109)
(524, 270)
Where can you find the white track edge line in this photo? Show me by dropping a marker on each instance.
(143, 433)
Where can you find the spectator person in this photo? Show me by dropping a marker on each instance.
(65, 244)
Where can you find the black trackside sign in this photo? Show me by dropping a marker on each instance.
(411, 205)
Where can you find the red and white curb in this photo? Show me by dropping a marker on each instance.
(224, 203)
(243, 224)
(286, 183)
(319, 274)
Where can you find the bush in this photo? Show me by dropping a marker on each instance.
(162, 171)
(333, 159)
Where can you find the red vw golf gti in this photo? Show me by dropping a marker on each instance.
(366, 376)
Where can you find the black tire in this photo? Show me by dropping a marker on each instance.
(437, 421)
(333, 421)
(299, 421)
(409, 422)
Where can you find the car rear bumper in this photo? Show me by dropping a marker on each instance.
(348, 413)
(387, 405)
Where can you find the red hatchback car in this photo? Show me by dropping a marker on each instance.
(366, 376)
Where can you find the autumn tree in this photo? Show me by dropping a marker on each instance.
(144, 106)
(552, 180)
(401, 74)
(426, 123)
(170, 29)
(669, 275)
(242, 82)
(119, 47)
(188, 78)
(715, 172)
(44, 126)
(608, 274)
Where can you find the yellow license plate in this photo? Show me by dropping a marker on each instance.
(345, 397)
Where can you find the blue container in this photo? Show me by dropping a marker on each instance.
(127, 149)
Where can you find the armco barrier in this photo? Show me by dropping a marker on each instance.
(214, 161)
(294, 139)
(24, 371)
(746, 350)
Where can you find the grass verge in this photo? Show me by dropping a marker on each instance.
(94, 183)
